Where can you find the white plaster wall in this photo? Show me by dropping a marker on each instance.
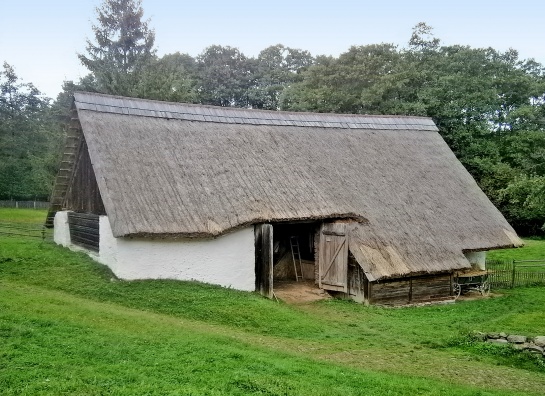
(477, 259)
(107, 246)
(61, 231)
(228, 260)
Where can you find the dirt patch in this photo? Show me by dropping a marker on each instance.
(473, 295)
(302, 292)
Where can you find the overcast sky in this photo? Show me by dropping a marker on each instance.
(40, 38)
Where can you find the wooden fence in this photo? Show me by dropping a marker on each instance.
(513, 273)
(24, 204)
(31, 230)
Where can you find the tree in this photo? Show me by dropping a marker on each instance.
(523, 204)
(338, 85)
(225, 76)
(277, 68)
(172, 78)
(29, 139)
(123, 46)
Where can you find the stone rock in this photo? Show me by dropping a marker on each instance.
(503, 335)
(540, 341)
(497, 341)
(535, 349)
(520, 347)
(494, 336)
(517, 339)
(477, 335)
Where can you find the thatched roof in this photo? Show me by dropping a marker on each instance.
(187, 170)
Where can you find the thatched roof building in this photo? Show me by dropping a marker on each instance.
(180, 170)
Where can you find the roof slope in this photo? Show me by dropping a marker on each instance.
(170, 168)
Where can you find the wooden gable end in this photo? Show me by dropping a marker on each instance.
(83, 193)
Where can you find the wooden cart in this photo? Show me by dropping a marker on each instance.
(471, 281)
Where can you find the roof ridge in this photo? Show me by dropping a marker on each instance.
(192, 112)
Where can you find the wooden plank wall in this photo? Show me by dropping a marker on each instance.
(83, 194)
(358, 285)
(84, 230)
(411, 290)
(333, 259)
(264, 259)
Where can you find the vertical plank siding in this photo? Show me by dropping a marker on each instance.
(84, 230)
(264, 259)
(333, 261)
(83, 194)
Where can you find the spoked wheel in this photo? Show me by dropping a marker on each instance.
(485, 288)
(456, 290)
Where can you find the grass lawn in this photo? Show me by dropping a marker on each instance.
(67, 326)
(36, 216)
(534, 249)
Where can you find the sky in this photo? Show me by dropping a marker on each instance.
(41, 38)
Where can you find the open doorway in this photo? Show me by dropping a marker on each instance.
(294, 251)
(287, 260)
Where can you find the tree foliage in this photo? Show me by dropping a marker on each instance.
(489, 105)
(29, 139)
(225, 76)
(123, 46)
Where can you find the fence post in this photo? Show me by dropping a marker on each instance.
(513, 278)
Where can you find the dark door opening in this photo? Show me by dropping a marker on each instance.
(294, 251)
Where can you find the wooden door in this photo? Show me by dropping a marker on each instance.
(264, 259)
(333, 257)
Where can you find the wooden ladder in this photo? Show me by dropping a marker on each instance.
(296, 257)
(66, 170)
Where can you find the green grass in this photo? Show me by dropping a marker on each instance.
(534, 249)
(36, 216)
(67, 326)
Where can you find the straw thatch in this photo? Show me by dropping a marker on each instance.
(193, 171)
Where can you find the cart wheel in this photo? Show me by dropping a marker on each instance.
(485, 288)
(456, 290)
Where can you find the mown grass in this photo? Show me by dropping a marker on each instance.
(36, 216)
(67, 326)
(534, 249)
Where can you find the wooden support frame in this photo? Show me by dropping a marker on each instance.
(264, 259)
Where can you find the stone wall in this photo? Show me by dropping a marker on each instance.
(520, 342)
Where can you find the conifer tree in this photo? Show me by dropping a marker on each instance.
(123, 46)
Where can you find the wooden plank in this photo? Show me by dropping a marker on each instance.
(264, 259)
(333, 257)
(87, 239)
(91, 224)
(84, 230)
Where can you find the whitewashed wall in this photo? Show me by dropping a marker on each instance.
(61, 232)
(228, 260)
(477, 259)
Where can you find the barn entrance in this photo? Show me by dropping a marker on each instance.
(294, 251)
(301, 259)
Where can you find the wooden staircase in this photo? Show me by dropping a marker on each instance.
(74, 138)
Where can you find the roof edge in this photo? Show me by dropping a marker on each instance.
(194, 112)
(219, 233)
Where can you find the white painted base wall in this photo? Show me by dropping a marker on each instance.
(61, 232)
(227, 261)
(477, 259)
